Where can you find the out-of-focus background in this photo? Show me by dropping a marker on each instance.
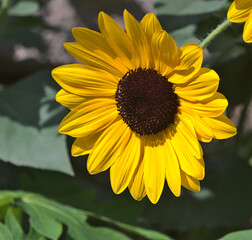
(34, 158)
(34, 37)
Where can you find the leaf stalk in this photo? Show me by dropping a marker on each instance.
(219, 29)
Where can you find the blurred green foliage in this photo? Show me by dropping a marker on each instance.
(41, 165)
(33, 126)
(245, 235)
(46, 218)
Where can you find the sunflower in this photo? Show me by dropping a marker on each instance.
(140, 105)
(241, 11)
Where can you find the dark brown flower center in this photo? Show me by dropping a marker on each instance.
(146, 101)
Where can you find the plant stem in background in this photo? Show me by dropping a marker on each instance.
(215, 33)
(3, 12)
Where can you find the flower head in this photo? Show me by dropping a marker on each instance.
(241, 11)
(140, 105)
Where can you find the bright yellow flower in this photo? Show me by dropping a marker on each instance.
(139, 106)
(241, 11)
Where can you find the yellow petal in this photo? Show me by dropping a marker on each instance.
(108, 147)
(138, 37)
(221, 126)
(116, 36)
(172, 170)
(186, 146)
(83, 145)
(237, 15)
(203, 132)
(247, 32)
(85, 81)
(92, 40)
(191, 56)
(122, 170)
(164, 51)
(97, 59)
(189, 182)
(211, 107)
(242, 4)
(68, 99)
(91, 116)
(154, 170)
(150, 25)
(136, 186)
(187, 129)
(202, 86)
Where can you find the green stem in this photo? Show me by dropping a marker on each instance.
(3, 12)
(215, 33)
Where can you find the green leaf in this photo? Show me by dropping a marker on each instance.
(244, 235)
(13, 225)
(5, 200)
(42, 223)
(46, 218)
(152, 235)
(177, 14)
(185, 7)
(46, 215)
(149, 234)
(5, 234)
(6, 197)
(184, 35)
(24, 8)
(85, 194)
(29, 119)
(33, 235)
(102, 233)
